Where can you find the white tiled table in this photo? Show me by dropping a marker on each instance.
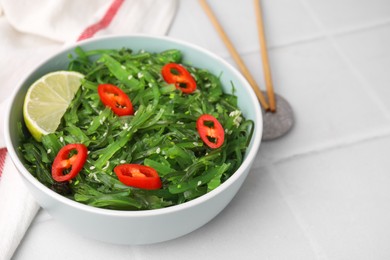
(322, 191)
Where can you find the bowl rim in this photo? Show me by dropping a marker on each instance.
(256, 137)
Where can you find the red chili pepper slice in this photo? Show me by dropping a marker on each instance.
(210, 130)
(174, 73)
(138, 176)
(116, 99)
(73, 164)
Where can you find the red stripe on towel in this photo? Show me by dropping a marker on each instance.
(103, 23)
(3, 154)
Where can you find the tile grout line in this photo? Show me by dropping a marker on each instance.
(277, 46)
(320, 36)
(297, 41)
(364, 27)
(345, 58)
(364, 82)
(314, 244)
(384, 133)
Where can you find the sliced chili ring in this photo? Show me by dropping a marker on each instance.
(210, 131)
(174, 73)
(67, 164)
(114, 98)
(138, 176)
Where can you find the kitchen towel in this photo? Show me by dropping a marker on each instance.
(32, 30)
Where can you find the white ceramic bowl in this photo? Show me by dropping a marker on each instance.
(149, 226)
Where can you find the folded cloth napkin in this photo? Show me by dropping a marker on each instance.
(32, 30)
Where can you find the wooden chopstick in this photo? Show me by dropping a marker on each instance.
(264, 56)
(234, 54)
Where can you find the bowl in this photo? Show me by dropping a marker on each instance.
(147, 226)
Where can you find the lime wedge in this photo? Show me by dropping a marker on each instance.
(47, 100)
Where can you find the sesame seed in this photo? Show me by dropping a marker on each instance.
(106, 166)
(235, 113)
(93, 175)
